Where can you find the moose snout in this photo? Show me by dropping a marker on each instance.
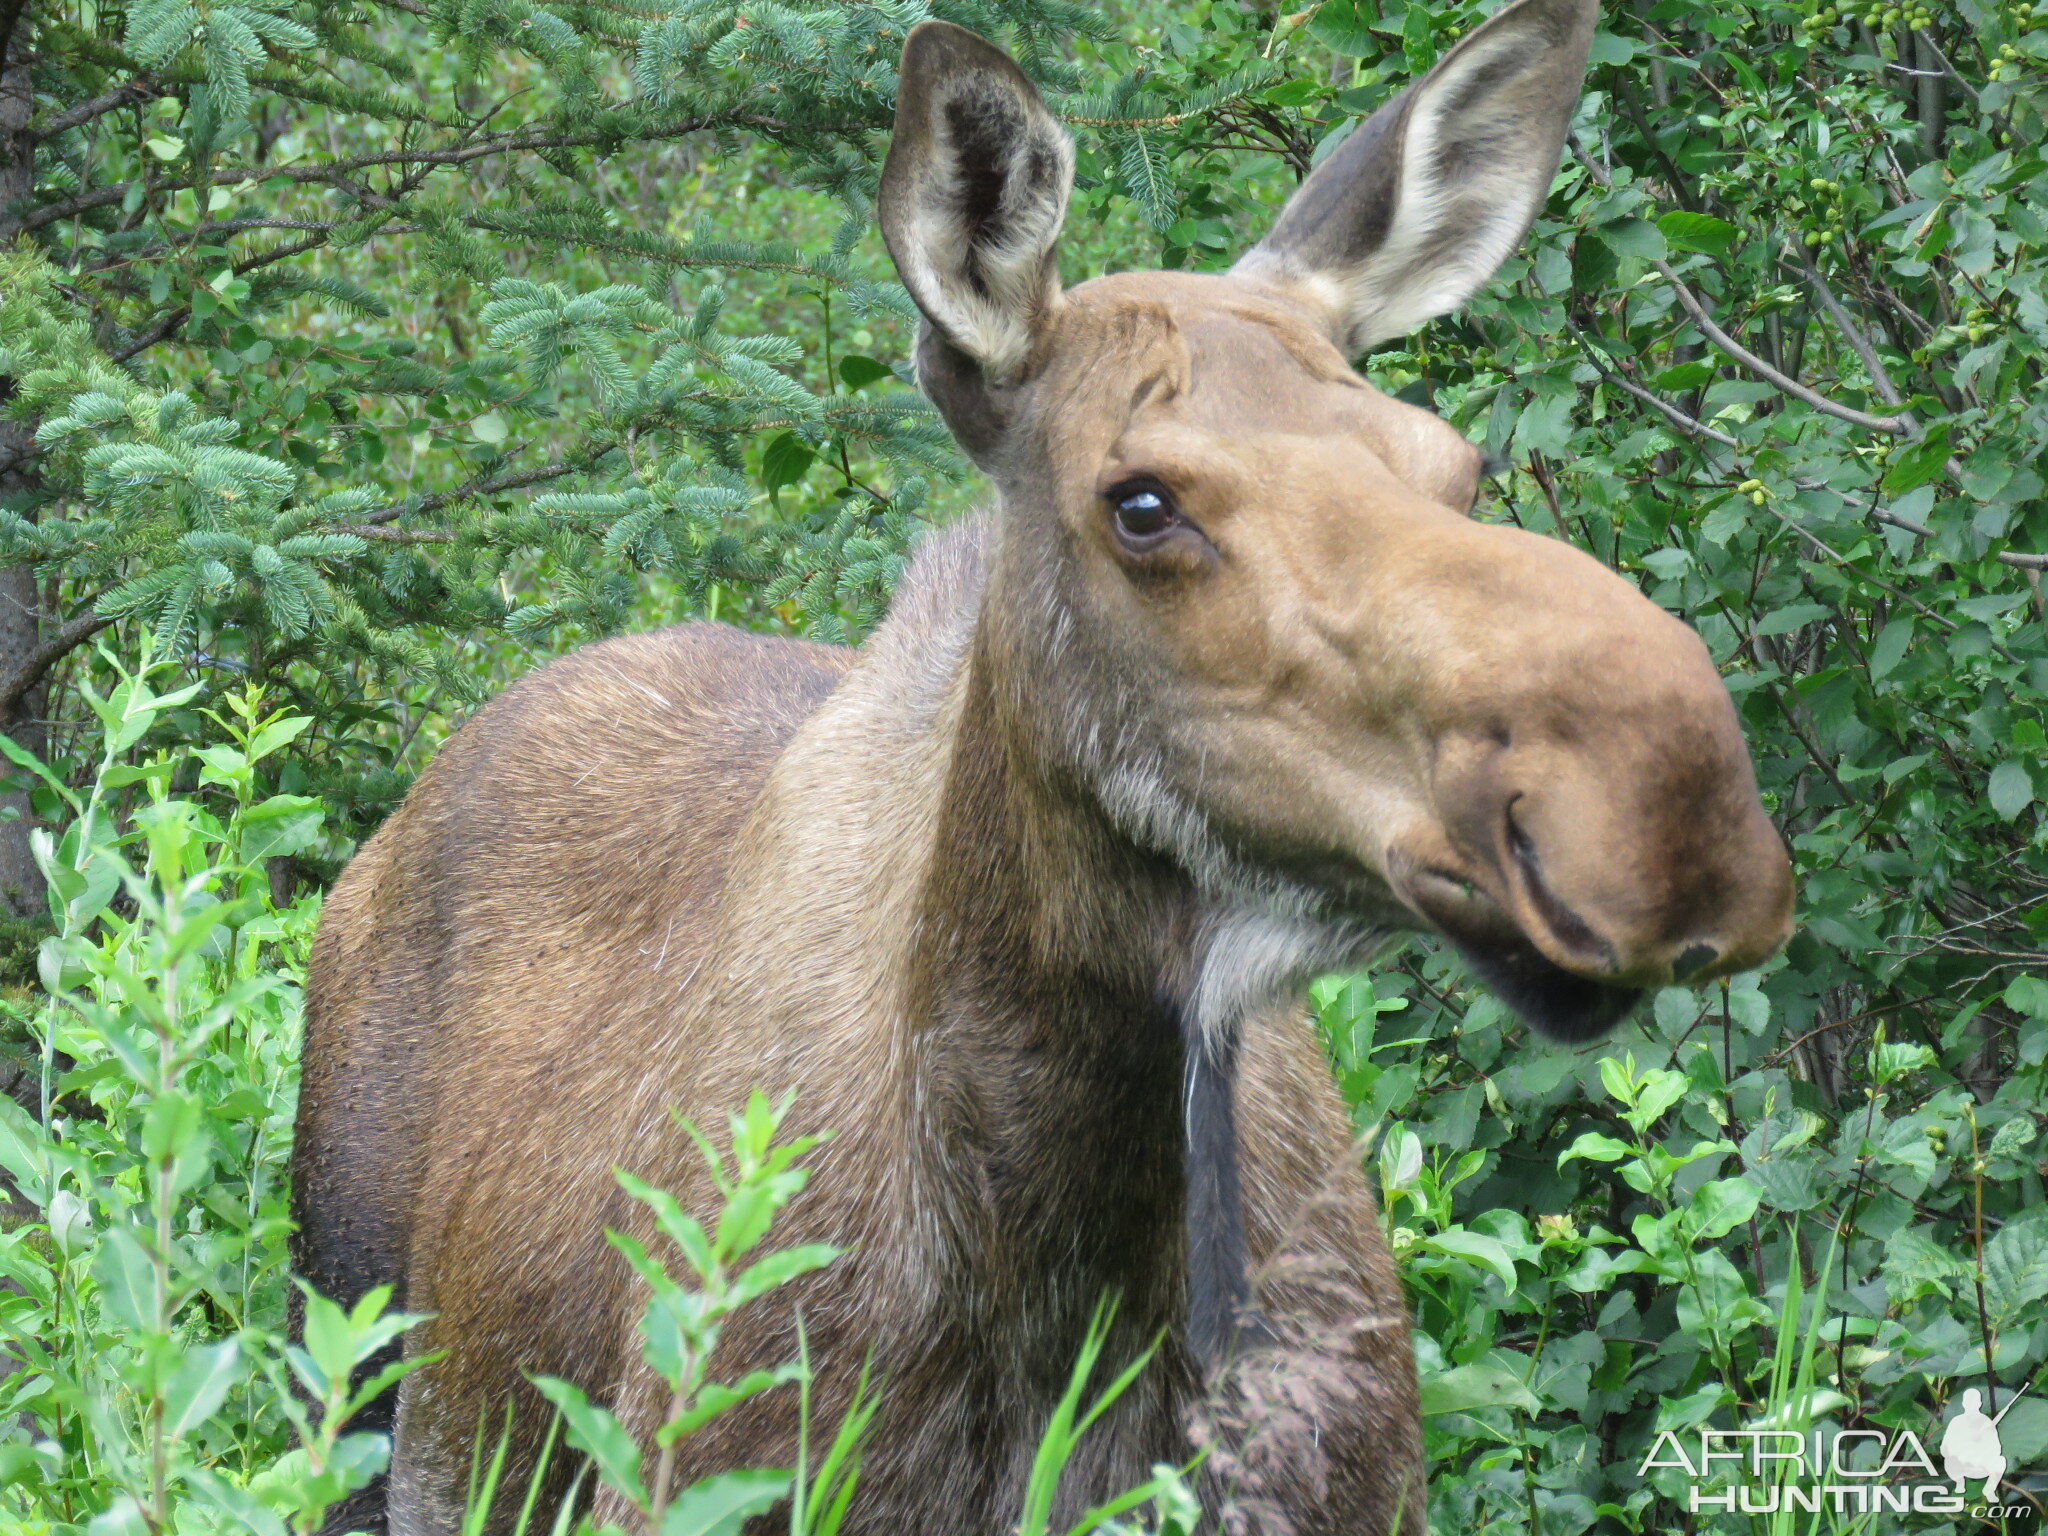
(1590, 825)
(1630, 850)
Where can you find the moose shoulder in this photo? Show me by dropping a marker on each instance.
(1021, 899)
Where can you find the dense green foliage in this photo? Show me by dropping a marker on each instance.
(573, 321)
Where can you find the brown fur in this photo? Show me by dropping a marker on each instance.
(1081, 818)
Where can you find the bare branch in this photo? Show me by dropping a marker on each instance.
(1690, 425)
(2011, 557)
(440, 499)
(142, 88)
(37, 664)
(512, 141)
(396, 535)
(1896, 426)
(1927, 40)
(1852, 333)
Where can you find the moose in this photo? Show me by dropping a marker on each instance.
(1021, 898)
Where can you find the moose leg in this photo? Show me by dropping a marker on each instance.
(429, 1471)
(1321, 1427)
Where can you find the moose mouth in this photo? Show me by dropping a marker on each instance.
(1563, 1004)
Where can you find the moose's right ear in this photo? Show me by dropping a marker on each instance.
(1409, 215)
(973, 195)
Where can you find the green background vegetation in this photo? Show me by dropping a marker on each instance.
(362, 356)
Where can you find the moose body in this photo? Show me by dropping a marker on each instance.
(1021, 899)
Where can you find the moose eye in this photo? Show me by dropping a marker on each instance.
(1142, 511)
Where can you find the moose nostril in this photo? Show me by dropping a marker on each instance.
(1692, 959)
(1567, 926)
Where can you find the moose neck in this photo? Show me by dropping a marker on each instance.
(1055, 971)
(1042, 979)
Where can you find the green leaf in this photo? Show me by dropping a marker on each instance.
(127, 1280)
(1483, 1384)
(1660, 1090)
(1633, 237)
(200, 1385)
(1546, 425)
(855, 370)
(1889, 648)
(1721, 1206)
(2011, 789)
(598, 1435)
(2015, 1268)
(777, 1269)
(719, 1506)
(283, 824)
(1918, 465)
(2027, 996)
(1475, 1248)
(716, 1398)
(1595, 1147)
(1792, 616)
(1700, 232)
(1611, 48)
(785, 461)
(1685, 376)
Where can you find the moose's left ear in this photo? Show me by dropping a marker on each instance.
(1408, 216)
(973, 195)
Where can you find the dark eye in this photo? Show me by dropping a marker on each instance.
(1142, 511)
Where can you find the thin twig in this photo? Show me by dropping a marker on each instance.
(1896, 426)
(1691, 425)
(142, 88)
(395, 535)
(1860, 344)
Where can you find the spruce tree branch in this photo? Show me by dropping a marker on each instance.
(150, 334)
(37, 664)
(513, 141)
(439, 499)
(396, 535)
(142, 88)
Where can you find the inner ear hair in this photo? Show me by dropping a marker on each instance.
(1417, 208)
(973, 194)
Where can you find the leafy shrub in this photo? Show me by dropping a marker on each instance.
(146, 1297)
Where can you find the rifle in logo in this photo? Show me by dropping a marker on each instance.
(1970, 1446)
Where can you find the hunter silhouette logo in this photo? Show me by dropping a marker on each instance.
(1970, 1446)
(1848, 1471)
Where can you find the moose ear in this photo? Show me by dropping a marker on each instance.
(973, 195)
(1409, 215)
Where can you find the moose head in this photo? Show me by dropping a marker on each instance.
(1239, 594)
